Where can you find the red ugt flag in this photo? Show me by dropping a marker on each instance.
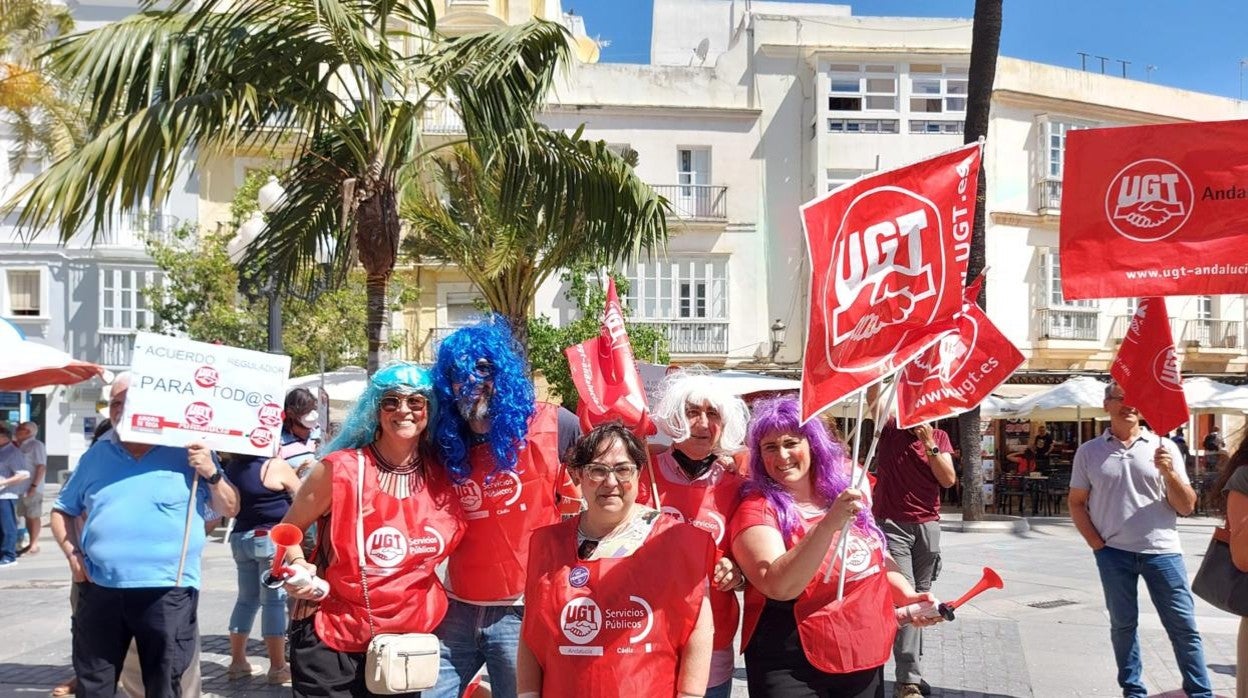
(1155, 211)
(888, 260)
(606, 377)
(960, 370)
(1148, 370)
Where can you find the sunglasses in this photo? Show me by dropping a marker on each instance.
(415, 403)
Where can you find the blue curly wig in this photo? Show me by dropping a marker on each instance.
(510, 407)
(360, 428)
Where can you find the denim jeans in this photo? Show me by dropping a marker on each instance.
(723, 690)
(1166, 579)
(473, 635)
(8, 530)
(252, 556)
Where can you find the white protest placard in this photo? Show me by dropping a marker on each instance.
(183, 391)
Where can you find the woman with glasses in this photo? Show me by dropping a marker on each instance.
(378, 556)
(799, 640)
(616, 599)
(692, 481)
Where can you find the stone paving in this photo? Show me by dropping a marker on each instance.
(1001, 645)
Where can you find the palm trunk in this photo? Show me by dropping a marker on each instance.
(377, 236)
(985, 45)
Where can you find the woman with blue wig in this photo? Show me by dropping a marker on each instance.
(386, 516)
(799, 639)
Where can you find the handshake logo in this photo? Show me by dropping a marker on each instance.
(1149, 200)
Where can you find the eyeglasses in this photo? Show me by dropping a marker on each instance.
(415, 403)
(484, 368)
(597, 472)
(1116, 398)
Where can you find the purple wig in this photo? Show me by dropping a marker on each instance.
(830, 467)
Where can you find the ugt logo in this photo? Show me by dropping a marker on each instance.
(581, 620)
(880, 276)
(1149, 200)
(386, 547)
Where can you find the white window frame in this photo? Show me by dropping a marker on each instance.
(948, 79)
(863, 74)
(656, 293)
(1051, 276)
(44, 293)
(460, 291)
(114, 296)
(834, 178)
(1051, 153)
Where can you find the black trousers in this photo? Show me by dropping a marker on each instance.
(162, 621)
(776, 665)
(318, 670)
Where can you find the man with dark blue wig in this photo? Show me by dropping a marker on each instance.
(504, 450)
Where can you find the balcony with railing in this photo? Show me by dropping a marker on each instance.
(706, 202)
(700, 337)
(135, 229)
(1213, 335)
(1121, 323)
(116, 348)
(1081, 324)
(442, 118)
(1050, 195)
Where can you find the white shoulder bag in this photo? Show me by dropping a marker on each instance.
(394, 662)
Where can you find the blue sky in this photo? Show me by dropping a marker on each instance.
(1195, 45)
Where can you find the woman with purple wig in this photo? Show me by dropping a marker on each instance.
(785, 535)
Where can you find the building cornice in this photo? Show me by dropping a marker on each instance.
(1080, 110)
(1024, 219)
(656, 110)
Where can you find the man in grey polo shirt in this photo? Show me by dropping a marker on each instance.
(1126, 490)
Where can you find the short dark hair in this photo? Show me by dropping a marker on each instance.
(5, 431)
(299, 402)
(599, 439)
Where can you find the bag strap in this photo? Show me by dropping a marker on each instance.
(359, 537)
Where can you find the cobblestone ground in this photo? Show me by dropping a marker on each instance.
(1046, 634)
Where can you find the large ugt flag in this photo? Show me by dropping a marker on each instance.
(606, 377)
(1148, 370)
(958, 372)
(1155, 211)
(887, 261)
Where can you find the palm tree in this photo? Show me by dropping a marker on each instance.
(32, 100)
(985, 45)
(596, 213)
(342, 84)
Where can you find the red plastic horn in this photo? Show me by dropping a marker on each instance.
(283, 536)
(989, 580)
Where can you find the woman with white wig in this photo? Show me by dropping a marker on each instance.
(694, 480)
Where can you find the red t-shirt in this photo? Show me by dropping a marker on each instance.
(906, 490)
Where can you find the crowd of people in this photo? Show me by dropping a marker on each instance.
(568, 559)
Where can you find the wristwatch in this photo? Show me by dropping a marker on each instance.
(933, 450)
(216, 477)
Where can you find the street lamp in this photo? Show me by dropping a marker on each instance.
(777, 338)
(269, 196)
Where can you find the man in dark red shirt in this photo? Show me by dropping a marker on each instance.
(913, 465)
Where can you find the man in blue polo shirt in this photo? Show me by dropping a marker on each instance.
(1127, 488)
(126, 555)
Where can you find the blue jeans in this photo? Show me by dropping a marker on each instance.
(8, 530)
(473, 635)
(1166, 579)
(252, 556)
(723, 690)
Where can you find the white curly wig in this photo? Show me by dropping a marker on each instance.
(696, 387)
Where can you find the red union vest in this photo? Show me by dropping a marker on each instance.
(596, 626)
(838, 637)
(708, 503)
(404, 540)
(503, 510)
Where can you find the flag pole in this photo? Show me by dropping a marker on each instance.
(843, 545)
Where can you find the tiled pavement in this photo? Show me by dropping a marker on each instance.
(1000, 645)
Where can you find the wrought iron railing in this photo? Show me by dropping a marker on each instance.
(1213, 334)
(116, 348)
(1069, 323)
(1050, 192)
(696, 201)
(702, 337)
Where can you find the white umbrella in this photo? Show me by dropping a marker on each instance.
(1206, 395)
(30, 364)
(746, 383)
(1073, 400)
(344, 386)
